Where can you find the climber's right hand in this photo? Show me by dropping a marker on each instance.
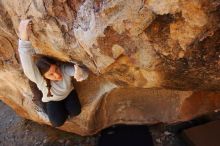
(24, 29)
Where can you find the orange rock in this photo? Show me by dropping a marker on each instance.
(149, 62)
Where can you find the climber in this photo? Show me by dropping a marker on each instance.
(52, 77)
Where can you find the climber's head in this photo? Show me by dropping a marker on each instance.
(49, 68)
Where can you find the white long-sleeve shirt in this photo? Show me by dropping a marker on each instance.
(59, 89)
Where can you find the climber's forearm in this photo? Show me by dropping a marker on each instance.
(24, 44)
(24, 29)
(24, 36)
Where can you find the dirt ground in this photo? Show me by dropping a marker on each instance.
(16, 131)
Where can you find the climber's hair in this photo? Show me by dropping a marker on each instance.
(43, 64)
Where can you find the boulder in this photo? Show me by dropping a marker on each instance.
(149, 61)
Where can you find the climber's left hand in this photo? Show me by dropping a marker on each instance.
(80, 74)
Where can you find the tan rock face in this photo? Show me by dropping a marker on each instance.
(146, 58)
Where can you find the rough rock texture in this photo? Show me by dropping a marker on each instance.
(150, 61)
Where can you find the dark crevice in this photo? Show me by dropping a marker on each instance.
(28, 8)
(37, 95)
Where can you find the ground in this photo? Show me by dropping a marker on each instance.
(18, 131)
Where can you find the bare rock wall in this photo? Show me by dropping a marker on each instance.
(150, 61)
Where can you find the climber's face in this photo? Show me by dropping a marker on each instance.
(54, 73)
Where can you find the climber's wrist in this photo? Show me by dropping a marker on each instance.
(24, 36)
(24, 29)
